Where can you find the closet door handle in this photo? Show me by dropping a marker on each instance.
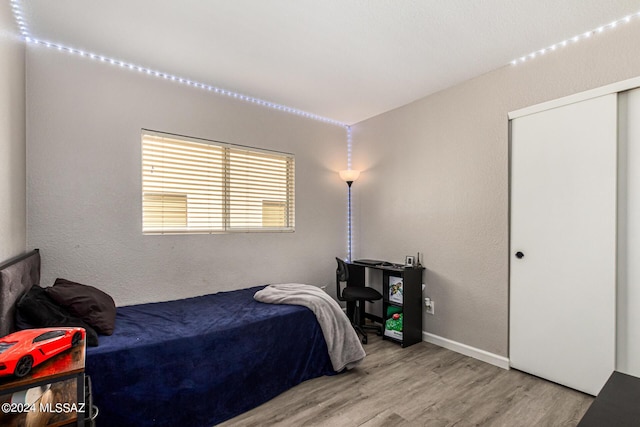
(519, 255)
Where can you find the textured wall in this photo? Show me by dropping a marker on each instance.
(12, 139)
(436, 180)
(84, 179)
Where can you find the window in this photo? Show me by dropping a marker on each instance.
(191, 186)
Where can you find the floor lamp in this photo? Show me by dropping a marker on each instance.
(349, 176)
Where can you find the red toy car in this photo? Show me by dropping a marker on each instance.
(21, 351)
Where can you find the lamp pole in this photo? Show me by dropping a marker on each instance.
(349, 220)
(349, 176)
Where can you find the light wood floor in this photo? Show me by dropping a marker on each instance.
(421, 385)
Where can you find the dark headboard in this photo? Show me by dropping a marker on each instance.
(16, 278)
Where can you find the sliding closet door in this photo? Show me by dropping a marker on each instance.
(628, 327)
(563, 243)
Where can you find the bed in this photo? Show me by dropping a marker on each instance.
(197, 361)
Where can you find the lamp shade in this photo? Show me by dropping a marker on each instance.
(349, 175)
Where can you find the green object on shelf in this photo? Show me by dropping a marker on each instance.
(392, 309)
(394, 324)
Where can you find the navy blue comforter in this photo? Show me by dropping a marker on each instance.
(202, 360)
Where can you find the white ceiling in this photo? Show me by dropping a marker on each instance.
(342, 59)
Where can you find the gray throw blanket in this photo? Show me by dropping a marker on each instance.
(345, 350)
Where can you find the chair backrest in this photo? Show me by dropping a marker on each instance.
(342, 272)
(342, 275)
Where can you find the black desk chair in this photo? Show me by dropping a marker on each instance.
(355, 297)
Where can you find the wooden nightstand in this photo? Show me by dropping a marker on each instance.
(51, 395)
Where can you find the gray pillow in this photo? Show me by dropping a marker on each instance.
(86, 302)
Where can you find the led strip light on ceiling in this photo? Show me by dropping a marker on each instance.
(575, 39)
(188, 82)
(24, 31)
(19, 16)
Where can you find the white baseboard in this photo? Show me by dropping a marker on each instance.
(476, 353)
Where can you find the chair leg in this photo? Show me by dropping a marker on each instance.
(360, 331)
(376, 328)
(351, 310)
(353, 313)
(359, 324)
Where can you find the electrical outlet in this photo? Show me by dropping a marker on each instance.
(430, 305)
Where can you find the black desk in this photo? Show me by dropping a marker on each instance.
(411, 304)
(617, 404)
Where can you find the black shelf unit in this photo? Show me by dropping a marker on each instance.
(411, 304)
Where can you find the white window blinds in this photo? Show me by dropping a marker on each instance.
(197, 186)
